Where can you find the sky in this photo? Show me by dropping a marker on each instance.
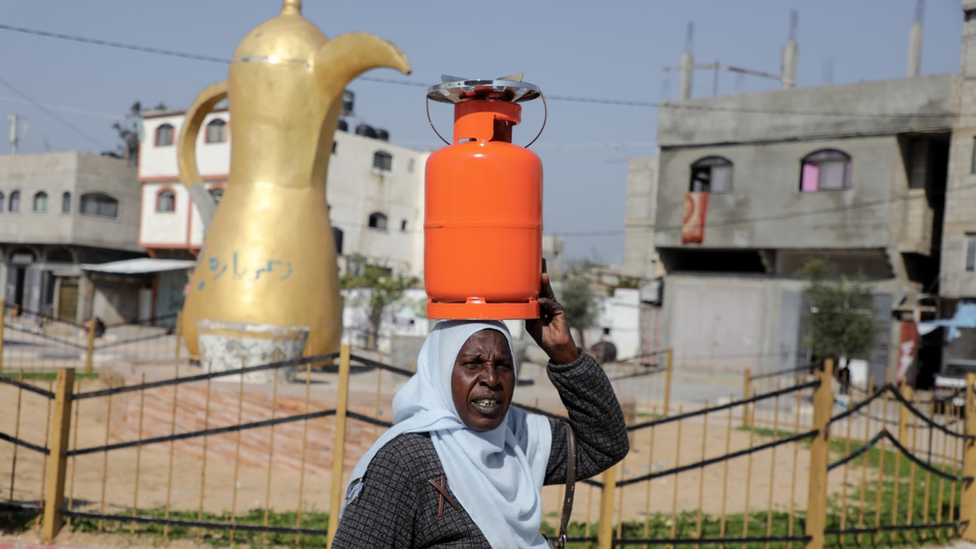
(612, 50)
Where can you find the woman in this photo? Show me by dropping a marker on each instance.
(459, 468)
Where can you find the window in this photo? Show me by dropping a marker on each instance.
(973, 167)
(383, 161)
(334, 147)
(1, 202)
(712, 174)
(971, 252)
(166, 201)
(337, 235)
(217, 193)
(40, 202)
(66, 203)
(99, 204)
(164, 135)
(15, 201)
(216, 131)
(825, 170)
(377, 221)
(403, 225)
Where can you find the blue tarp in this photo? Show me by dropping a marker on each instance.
(965, 317)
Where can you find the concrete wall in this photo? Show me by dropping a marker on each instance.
(725, 324)
(115, 299)
(640, 216)
(621, 315)
(728, 120)
(77, 174)
(960, 209)
(765, 183)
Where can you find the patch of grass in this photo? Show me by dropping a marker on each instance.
(213, 537)
(47, 376)
(16, 520)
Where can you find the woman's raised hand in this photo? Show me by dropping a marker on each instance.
(551, 330)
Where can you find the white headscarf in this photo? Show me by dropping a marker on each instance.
(496, 475)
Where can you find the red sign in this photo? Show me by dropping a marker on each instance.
(693, 223)
(907, 349)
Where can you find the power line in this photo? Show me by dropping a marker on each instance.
(119, 45)
(591, 100)
(752, 220)
(52, 114)
(62, 108)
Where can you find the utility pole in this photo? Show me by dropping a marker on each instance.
(16, 135)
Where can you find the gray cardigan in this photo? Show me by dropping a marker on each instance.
(396, 507)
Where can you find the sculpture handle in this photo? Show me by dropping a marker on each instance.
(187, 148)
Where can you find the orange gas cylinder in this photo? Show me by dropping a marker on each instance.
(483, 208)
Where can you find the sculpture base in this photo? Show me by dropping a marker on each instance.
(478, 309)
(231, 345)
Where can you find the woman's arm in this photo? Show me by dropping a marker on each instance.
(594, 414)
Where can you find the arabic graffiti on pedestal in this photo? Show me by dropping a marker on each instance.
(271, 269)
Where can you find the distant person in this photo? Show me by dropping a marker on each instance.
(99, 327)
(460, 467)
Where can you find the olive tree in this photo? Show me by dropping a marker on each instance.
(841, 323)
(381, 286)
(580, 303)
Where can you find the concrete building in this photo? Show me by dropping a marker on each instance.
(854, 174)
(958, 269)
(59, 211)
(375, 192)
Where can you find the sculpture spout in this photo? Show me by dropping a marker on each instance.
(341, 60)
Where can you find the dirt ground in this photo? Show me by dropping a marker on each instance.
(108, 482)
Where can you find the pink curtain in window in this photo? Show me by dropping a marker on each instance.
(808, 180)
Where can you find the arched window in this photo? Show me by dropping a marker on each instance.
(712, 174)
(403, 225)
(217, 192)
(66, 203)
(164, 135)
(337, 235)
(99, 204)
(165, 201)
(1, 202)
(40, 202)
(377, 220)
(216, 131)
(825, 170)
(383, 161)
(15, 201)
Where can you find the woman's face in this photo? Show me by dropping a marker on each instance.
(483, 380)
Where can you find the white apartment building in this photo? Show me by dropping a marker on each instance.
(375, 192)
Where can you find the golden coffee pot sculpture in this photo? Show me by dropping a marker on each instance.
(269, 255)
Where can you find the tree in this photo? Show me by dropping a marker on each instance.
(580, 304)
(382, 287)
(130, 133)
(841, 323)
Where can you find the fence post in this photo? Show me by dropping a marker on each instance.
(3, 317)
(339, 444)
(179, 334)
(967, 507)
(56, 465)
(823, 404)
(90, 349)
(903, 416)
(604, 533)
(667, 382)
(746, 393)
